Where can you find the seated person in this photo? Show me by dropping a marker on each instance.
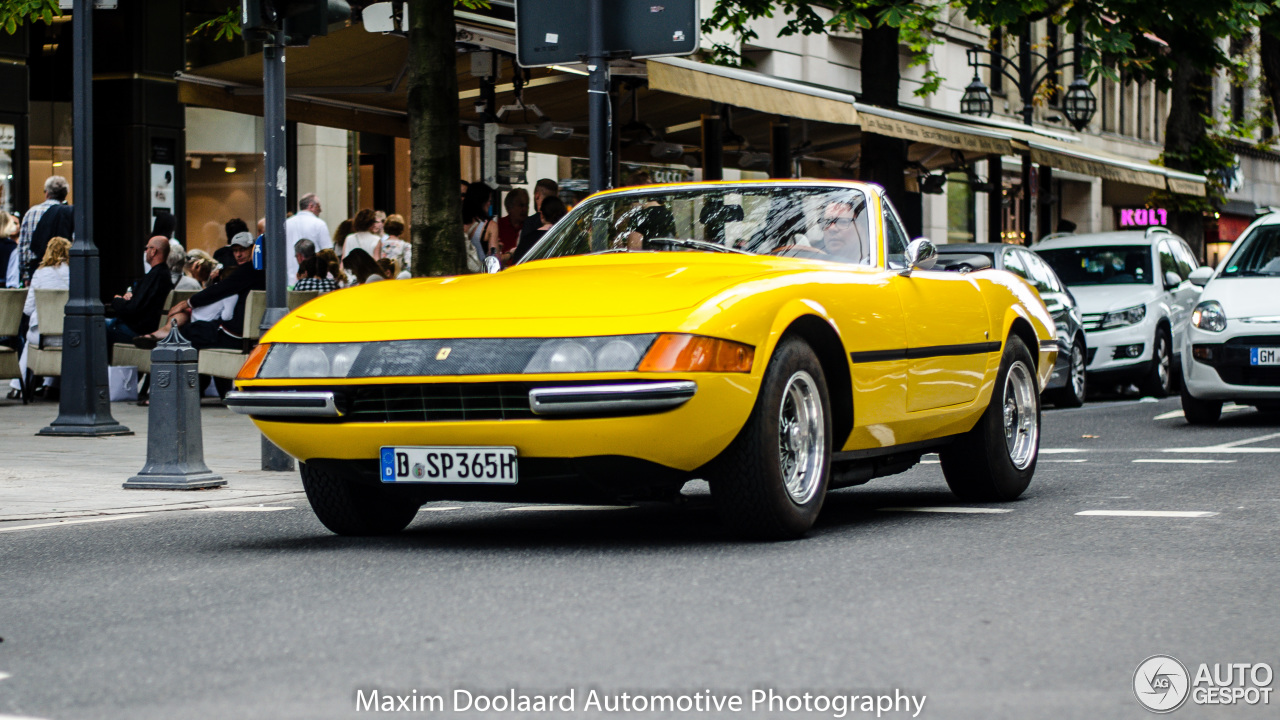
(651, 220)
(138, 311)
(237, 283)
(844, 232)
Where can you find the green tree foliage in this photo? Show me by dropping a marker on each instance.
(913, 23)
(13, 13)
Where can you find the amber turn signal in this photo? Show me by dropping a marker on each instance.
(672, 352)
(249, 370)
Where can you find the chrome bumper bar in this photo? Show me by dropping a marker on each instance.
(610, 399)
(293, 404)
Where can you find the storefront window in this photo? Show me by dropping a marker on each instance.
(961, 209)
(50, 149)
(221, 187)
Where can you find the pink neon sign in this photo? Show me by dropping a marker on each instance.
(1143, 217)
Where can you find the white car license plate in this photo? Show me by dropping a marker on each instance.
(471, 465)
(1264, 356)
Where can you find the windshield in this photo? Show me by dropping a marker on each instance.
(1101, 265)
(1258, 255)
(812, 222)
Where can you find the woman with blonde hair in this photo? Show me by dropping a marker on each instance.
(53, 273)
(9, 249)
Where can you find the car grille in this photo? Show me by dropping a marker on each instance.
(440, 402)
(1231, 360)
(1092, 321)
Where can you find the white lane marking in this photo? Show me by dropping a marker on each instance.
(68, 522)
(1174, 414)
(1068, 460)
(940, 509)
(5, 676)
(18, 717)
(548, 508)
(1060, 451)
(1149, 513)
(1249, 441)
(246, 508)
(930, 462)
(446, 508)
(1183, 461)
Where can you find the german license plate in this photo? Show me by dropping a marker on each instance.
(1264, 356)
(467, 465)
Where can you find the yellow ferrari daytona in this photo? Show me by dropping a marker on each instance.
(778, 339)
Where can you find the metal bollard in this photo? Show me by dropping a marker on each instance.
(175, 446)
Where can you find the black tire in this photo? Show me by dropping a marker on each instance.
(1200, 412)
(978, 465)
(1158, 381)
(1072, 395)
(348, 508)
(747, 480)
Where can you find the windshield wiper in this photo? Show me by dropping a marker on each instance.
(696, 245)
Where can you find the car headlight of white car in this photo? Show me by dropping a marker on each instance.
(1210, 316)
(1122, 318)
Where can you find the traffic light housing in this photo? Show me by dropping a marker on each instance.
(301, 20)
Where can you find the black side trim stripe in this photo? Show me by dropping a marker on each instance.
(924, 352)
(1050, 345)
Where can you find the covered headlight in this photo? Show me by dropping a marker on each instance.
(593, 354)
(1121, 318)
(312, 360)
(1210, 316)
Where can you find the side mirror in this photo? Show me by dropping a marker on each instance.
(920, 255)
(1201, 276)
(1172, 279)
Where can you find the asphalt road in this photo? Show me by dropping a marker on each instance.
(1034, 612)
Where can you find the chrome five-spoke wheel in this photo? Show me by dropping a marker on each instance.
(1021, 426)
(801, 437)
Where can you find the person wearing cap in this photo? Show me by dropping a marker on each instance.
(224, 325)
(138, 311)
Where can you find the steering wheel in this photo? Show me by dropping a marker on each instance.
(798, 250)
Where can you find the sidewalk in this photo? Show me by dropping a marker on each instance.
(47, 477)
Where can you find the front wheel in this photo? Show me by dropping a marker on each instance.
(1159, 379)
(770, 483)
(1200, 412)
(995, 460)
(1073, 394)
(349, 508)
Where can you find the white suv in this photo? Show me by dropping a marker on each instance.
(1232, 348)
(1136, 297)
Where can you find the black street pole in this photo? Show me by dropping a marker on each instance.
(277, 191)
(1026, 88)
(84, 408)
(598, 97)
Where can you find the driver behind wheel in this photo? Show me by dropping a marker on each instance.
(843, 233)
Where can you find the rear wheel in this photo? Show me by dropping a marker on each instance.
(1200, 412)
(349, 508)
(995, 460)
(771, 481)
(1073, 394)
(1159, 379)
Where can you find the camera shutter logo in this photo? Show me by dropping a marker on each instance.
(1161, 683)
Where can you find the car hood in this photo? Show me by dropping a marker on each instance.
(1106, 298)
(592, 286)
(1246, 297)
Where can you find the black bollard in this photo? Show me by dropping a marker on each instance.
(175, 445)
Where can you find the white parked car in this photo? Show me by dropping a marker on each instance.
(1136, 298)
(1232, 348)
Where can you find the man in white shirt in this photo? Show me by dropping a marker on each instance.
(305, 225)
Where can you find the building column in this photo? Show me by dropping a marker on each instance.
(322, 169)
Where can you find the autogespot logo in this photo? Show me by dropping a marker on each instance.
(1161, 683)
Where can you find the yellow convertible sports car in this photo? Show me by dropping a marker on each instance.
(777, 338)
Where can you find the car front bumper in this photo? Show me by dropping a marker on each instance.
(1216, 366)
(678, 423)
(1112, 351)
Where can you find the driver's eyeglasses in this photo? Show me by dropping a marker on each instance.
(843, 223)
